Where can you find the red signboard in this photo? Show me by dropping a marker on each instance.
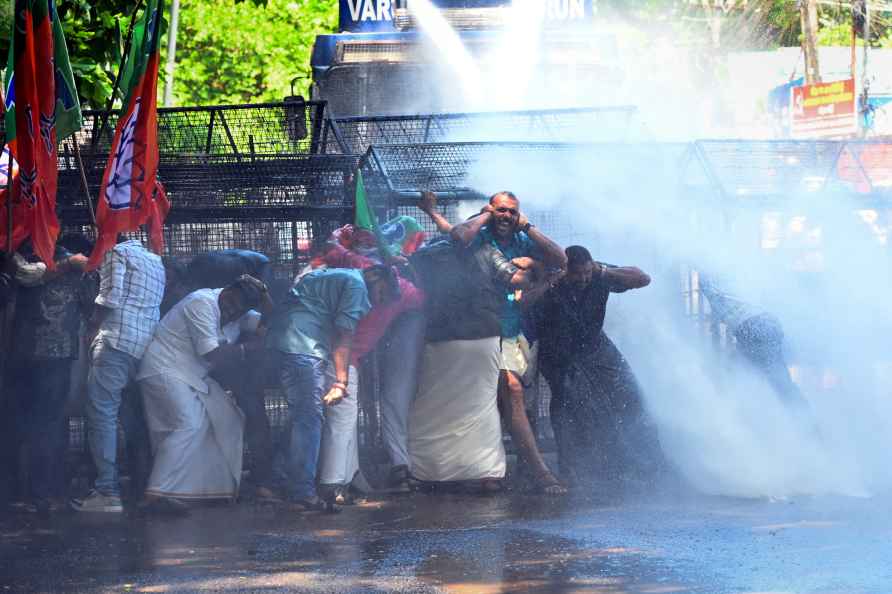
(824, 110)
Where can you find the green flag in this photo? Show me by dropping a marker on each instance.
(68, 109)
(400, 236)
(364, 217)
(68, 106)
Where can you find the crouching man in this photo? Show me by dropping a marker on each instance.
(314, 325)
(195, 428)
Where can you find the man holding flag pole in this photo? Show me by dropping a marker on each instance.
(41, 108)
(132, 279)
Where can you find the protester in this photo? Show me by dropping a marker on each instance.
(759, 337)
(196, 430)
(131, 286)
(247, 382)
(398, 380)
(454, 424)
(312, 327)
(597, 414)
(216, 269)
(401, 321)
(45, 338)
(505, 228)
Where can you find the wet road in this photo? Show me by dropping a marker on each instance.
(465, 544)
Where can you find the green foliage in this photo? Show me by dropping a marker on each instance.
(246, 52)
(94, 31)
(228, 50)
(832, 33)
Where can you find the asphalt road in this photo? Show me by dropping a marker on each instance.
(465, 544)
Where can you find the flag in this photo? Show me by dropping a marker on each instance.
(68, 106)
(130, 194)
(364, 218)
(401, 235)
(39, 80)
(31, 127)
(19, 233)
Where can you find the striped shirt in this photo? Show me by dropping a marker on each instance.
(131, 285)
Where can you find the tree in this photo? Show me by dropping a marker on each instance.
(93, 31)
(247, 52)
(229, 50)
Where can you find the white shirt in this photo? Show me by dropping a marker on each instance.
(131, 286)
(187, 333)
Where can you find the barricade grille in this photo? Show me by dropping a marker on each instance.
(594, 124)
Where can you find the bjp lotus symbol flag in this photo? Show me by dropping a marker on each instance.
(41, 109)
(131, 194)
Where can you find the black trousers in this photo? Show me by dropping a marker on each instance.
(600, 426)
(34, 423)
(247, 382)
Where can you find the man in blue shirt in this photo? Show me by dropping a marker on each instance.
(315, 324)
(504, 227)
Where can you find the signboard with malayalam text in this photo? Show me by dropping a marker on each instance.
(824, 110)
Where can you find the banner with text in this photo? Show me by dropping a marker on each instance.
(365, 16)
(824, 110)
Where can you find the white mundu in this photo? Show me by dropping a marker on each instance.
(455, 432)
(195, 428)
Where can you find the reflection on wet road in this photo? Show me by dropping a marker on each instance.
(463, 544)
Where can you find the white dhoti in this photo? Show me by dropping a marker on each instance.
(455, 431)
(196, 439)
(339, 452)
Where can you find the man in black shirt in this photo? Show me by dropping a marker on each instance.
(596, 405)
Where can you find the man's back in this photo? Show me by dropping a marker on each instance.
(131, 287)
(322, 301)
(463, 290)
(221, 268)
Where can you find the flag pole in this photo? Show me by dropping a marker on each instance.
(111, 99)
(80, 166)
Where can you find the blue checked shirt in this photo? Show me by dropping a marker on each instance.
(131, 285)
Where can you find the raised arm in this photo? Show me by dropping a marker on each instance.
(466, 232)
(428, 205)
(553, 255)
(623, 278)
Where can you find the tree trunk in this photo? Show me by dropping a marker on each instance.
(808, 14)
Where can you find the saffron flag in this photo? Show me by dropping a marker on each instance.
(40, 97)
(130, 194)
